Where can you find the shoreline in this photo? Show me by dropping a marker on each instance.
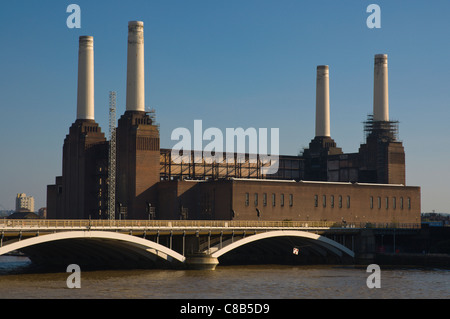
(413, 259)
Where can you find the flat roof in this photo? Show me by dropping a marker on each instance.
(262, 180)
(314, 182)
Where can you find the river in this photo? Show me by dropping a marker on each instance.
(234, 282)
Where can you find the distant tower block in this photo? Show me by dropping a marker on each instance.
(323, 101)
(381, 89)
(135, 67)
(85, 97)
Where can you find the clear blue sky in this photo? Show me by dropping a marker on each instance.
(233, 63)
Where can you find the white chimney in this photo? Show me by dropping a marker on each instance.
(380, 89)
(135, 67)
(85, 98)
(323, 101)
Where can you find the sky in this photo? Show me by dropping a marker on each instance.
(229, 63)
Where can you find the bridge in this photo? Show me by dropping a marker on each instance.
(176, 243)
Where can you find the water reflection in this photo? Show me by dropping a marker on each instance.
(239, 282)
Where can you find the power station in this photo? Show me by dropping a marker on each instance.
(322, 184)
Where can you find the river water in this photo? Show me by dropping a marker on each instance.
(226, 282)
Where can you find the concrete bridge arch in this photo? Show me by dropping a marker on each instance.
(114, 249)
(320, 244)
(94, 247)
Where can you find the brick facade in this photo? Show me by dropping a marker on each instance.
(246, 199)
(138, 156)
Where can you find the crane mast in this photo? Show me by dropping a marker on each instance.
(112, 157)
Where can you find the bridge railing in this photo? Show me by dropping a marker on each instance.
(86, 224)
(82, 223)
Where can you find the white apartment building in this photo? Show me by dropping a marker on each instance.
(24, 203)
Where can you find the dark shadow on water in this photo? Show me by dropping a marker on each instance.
(16, 265)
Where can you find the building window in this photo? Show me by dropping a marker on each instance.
(282, 200)
(291, 200)
(340, 201)
(256, 199)
(324, 200)
(273, 199)
(387, 202)
(394, 202)
(348, 201)
(401, 202)
(409, 202)
(371, 202)
(247, 199)
(332, 201)
(265, 199)
(379, 202)
(316, 201)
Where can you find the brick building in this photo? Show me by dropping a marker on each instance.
(322, 184)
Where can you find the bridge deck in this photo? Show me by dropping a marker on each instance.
(175, 239)
(81, 224)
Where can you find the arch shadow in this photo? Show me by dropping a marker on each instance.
(322, 242)
(94, 247)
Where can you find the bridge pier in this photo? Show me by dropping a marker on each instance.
(201, 262)
(365, 250)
